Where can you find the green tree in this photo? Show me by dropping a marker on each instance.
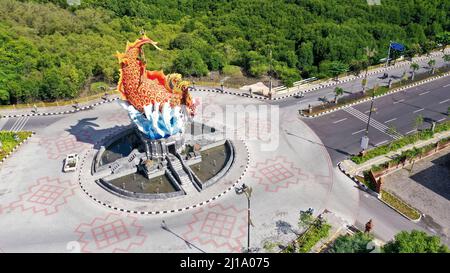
(415, 242)
(337, 68)
(447, 58)
(356, 243)
(418, 122)
(338, 91)
(370, 53)
(443, 39)
(189, 62)
(431, 64)
(414, 67)
(305, 219)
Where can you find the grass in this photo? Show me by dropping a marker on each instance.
(400, 205)
(317, 231)
(400, 143)
(8, 141)
(366, 181)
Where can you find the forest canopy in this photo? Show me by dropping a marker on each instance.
(51, 50)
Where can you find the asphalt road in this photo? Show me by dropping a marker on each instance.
(395, 74)
(27, 123)
(341, 131)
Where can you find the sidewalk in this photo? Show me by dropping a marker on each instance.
(354, 169)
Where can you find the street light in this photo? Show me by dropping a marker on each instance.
(248, 193)
(365, 138)
(389, 54)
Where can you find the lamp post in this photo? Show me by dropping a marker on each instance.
(365, 138)
(248, 193)
(389, 54)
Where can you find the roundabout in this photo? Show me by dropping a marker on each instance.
(162, 185)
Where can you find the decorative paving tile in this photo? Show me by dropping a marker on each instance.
(113, 233)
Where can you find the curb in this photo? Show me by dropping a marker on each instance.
(376, 195)
(16, 147)
(61, 112)
(162, 211)
(376, 97)
(361, 185)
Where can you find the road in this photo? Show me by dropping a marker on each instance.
(395, 74)
(341, 131)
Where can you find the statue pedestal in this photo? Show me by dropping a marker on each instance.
(158, 149)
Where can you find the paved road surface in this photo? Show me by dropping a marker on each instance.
(341, 131)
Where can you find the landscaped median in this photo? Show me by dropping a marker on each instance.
(10, 141)
(317, 230)
(399, 205)
(398, 144)
(369, 169)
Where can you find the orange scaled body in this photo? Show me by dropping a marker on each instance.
(141, 87)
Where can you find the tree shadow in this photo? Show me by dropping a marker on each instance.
(284, 227)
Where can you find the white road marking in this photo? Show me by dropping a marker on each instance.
(417, 111)
(16, 124)
(424, 93)
(375, 124)
(368, 111)
(19, 124)
(390, 120)
(381, 143)
(398, 101)
(442, 119)
(446, 85)
(357, 132)
(444, 101)
(412, 131)
(337, 121)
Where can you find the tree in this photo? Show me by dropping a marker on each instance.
(305, 220)
(337, 68)
(189, 63)
(356, 243)
(443, 39)
(415, 242)
(338, 91)
(431, 64)
(414, 67)
(369, 53)
(418, 122)
(447, 58)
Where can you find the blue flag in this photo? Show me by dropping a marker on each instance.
(397, 46)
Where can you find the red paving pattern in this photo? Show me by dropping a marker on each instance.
(222, 227)
(45, 196)
(58, 147)
(277, 173)
(113, 233)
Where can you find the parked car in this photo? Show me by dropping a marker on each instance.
(70, 163)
